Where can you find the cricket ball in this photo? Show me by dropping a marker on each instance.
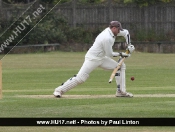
(132, 78)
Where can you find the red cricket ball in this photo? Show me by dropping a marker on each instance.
(132, 78)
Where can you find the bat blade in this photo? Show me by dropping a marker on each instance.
(115, 70)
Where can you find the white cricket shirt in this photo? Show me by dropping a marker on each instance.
(102, 46)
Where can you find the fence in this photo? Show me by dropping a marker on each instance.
(159, 47)
(160, 18)
(31, 48)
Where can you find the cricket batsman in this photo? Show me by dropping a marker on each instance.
(99, 55)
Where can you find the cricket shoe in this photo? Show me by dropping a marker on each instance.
(123, 94)
(57, 94)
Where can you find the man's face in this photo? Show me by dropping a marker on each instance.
(115, 30)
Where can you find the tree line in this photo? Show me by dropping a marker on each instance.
(137, 2)
(56, 29)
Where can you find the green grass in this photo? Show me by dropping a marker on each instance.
(40, 74)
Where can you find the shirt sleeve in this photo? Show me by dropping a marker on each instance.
(108, 49)
(126, 35)
(115, 54)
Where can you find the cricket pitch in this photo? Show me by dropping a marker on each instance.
(94, 96)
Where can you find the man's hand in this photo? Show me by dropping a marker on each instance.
(131, 48)
(122, 54)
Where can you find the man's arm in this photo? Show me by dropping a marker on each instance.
(107, 44)
(126, 35)
(109, 51)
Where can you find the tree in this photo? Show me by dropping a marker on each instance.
(0, 10)
(17, 1)
(147, 2)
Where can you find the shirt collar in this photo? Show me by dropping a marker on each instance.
(110, 32)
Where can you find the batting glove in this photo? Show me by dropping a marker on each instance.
(131, 48)
(122, 54)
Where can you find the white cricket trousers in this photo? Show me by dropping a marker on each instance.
(87, 67)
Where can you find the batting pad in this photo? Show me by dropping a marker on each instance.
(120, 78)
(72, 82)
